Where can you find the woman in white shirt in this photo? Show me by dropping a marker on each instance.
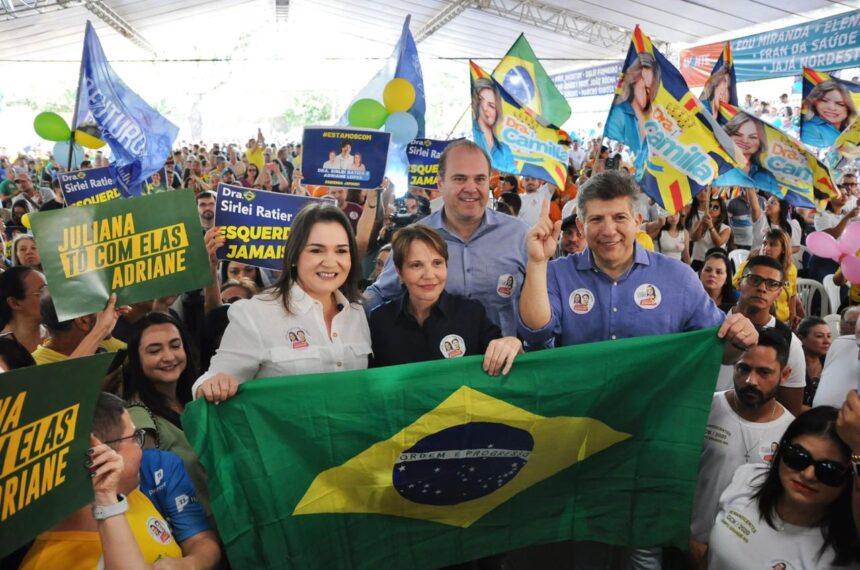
(310, 321)
(673, 240)
(711, 231)
(797, 512)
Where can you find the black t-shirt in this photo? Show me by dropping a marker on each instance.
(456, 327)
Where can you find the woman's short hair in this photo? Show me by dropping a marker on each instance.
(805, 326)
(242, 282)
(404, 238)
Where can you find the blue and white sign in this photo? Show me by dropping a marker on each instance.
(599, 80)
(89, 186)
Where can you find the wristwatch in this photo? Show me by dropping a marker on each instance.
(102, 512)
(855, 464)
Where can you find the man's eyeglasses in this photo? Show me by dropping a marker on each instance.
(139, 436)
(757, 280)
(830, 473)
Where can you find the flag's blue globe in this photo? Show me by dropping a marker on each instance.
(461, 463)
(519, 83)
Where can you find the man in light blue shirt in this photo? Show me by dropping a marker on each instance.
(615, 288)
(486, 249)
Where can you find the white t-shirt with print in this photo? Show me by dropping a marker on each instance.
(741, 539)
(728, 440)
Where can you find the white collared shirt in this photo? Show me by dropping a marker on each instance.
(263, 340)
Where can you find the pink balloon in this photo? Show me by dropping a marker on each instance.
(851, 269)
(849, 243)
(822, 244)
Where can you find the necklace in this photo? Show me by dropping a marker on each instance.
(748, 448)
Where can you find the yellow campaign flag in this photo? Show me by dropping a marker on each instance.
(446, 466)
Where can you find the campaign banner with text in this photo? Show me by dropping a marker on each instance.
(424, 155)
(598, 80)
(828, 43)
(139, 248)
(256, 224)
(89, 186)
(46, 416)
(776, 163)
(347, 158)
(679, 146)
(517, 140)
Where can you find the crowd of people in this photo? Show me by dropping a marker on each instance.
(488, 263)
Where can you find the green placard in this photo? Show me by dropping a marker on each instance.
(140, 248)
(46, 416)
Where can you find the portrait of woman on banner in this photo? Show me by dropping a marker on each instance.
(639, 87)
(827, 111)
(486, 114)
(717, 90)
(750, 137)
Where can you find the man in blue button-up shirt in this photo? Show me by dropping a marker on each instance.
(486, 249)
(615, 288)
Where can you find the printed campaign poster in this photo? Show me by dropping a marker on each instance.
(721, 86)
(256, 224)
(424, 155)
(775, 162)
(679, 147)
(139, 248)
(46, 416)
(517, 140)
(156, 183)
(89, 186)
(347, 158)
(829, 107)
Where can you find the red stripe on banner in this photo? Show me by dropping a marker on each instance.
(677, 200)
(690, 104)
(638, 40)
(814, 76)
(727, 55)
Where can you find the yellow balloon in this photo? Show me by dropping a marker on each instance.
(25, 221)
(88, 140)
(399, 95)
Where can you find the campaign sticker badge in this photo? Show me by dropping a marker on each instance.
(452, 346)
(647, 296)
(158, 530)
(505, 285)
(298, 338)
(581, 301)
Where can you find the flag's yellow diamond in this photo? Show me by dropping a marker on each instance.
(457, 462)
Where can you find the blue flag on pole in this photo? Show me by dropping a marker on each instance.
(140, 139)
(402, 63)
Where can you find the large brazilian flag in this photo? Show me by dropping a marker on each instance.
(434, 463)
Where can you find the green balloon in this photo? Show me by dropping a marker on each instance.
(50, 126)
(367, 113)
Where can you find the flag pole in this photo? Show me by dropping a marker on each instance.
(463, 114)
(77, 100)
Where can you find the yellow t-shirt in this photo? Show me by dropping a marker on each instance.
(45, 355)
(256, 157)
(783, 312)
(82, 550)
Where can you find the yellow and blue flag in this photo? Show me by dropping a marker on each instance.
(524, 78)
(776, 163)
(829, 107)
(722, 85)
(140, 138)
(517, 140)
(678, 145)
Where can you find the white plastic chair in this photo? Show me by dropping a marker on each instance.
(737, 256)
(833, 292)
(806, 290)
(833, 322)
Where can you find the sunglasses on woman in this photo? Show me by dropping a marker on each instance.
(830, 473)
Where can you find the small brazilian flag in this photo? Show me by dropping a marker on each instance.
(435, 463)
(522, 75)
